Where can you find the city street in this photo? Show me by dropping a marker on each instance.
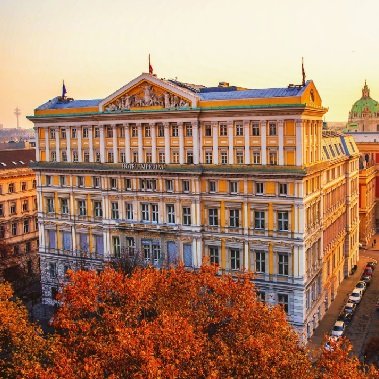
(365, 323)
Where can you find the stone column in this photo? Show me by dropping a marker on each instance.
(47, 148)
(114, 142)
(246, 133)
(167, 142)
(90, 143)
(281, 142)
(263, 141)
(195, 142)
(181, 143)
(215, 141)
(231, 142)
(127, 143)
(57, 145)
(102, 144)
(140, 143)
(153, 131)
(299, 143)
(68, 141)
(79, 136)
(246, 258)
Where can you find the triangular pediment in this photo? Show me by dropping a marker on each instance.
(147, 91)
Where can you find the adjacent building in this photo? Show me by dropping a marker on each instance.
(19, 262)
(245, 178)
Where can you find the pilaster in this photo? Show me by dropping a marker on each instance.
(195, 142)
(215, 141)
(246, 133)
(114, 142)
(140, 143)
(263, 142)
(153, 130)
(47, 149)
(281, 142)
(181, 142)
(167, 142)
(299, 143)
(230, 143)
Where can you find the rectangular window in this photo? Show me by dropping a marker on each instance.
(169, 185)
(80, 181)
(63, 133)
(12, 208)
(259, 188)
(149, 158)
(34, 185)
(50, 205)
(145, 212)
(98, 157)
(282, 189)
(115, 213)
(52, 133)
(97, 133)
(234, 218)
(175, 157)
(2, 231)
(255, 129)
(273, 157)
(259, 220)
(188, 129)
(208, 157)
(272, 129)
(96, 182)
(127, 184)
(239, 157)
(122, 157)
(116, 246)
(67, 241)
(189, 157)
(170, 209)
(64, 156)
(211, 186)
(113, 183)
(86, 156)
(62, 180)
(110, 157)
(129, 211)
(239, 129)
(283, 264)
(174, 130)
(134, 131)
(26, 226)
(97, 209)
(85, 132)
(260, 261)
(187, 216)
(53, 156)
(11, 186)
(73, 133)
(14, 228)
(161, 157)
(214, 255)
(64, 206)
(25, 205)
(109, 132)
(283, 301)
(160, 130)
(186, 186)
(223, 130)
(147, 131)
(283, 221)
(154, 213)
(224, 157)
(52, 270)
(256, 157)
(208, 130)
(82, 208)
(213, 216)
(75, 156)
(1, 210)
(235, 259)
(233, 187)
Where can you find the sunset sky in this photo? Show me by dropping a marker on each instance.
(98, 46)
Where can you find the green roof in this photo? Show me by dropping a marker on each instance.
(365, 103)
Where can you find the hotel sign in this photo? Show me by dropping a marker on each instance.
(143, 166)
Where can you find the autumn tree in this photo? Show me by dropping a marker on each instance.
(22, 345)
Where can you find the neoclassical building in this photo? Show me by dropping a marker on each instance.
(176, 171)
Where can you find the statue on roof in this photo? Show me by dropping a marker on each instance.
(365, 91)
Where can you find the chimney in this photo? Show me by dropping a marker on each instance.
(223, 84)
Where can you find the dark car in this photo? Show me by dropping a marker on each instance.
(366, 279)
(361, 285)
(371, 264)
(350, 307)
(368, 271)
(346, 317)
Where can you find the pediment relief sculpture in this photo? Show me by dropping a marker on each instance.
(146, 95)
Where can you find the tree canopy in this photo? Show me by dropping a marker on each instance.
(176, 324)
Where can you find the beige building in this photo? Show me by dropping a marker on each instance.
(179, 172)
(18, 219)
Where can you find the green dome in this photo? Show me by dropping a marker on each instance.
(365, 103)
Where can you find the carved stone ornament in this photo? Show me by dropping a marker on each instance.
(147, 96)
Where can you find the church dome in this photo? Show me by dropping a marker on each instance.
(365, 104)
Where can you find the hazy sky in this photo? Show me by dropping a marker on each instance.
(98, 46)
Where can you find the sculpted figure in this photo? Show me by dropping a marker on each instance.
(167, 102)
(148, 92)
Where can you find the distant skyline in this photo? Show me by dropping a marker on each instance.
(97, 47)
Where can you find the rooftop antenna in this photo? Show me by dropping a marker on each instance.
(17, 113)
(302, 71)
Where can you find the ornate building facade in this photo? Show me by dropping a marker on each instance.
(18, 220)
(182, 172)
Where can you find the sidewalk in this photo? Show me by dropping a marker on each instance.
(335, 308)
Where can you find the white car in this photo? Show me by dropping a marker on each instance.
(338, 328)
(356, 296)
(361, 285)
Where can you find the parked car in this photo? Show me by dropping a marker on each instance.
(361, 285)
(329, 344)
(366, 279)
(346, 317)
(371, 264)
(338, 328)
(367, 271)
(356, 296)
(350, 307)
